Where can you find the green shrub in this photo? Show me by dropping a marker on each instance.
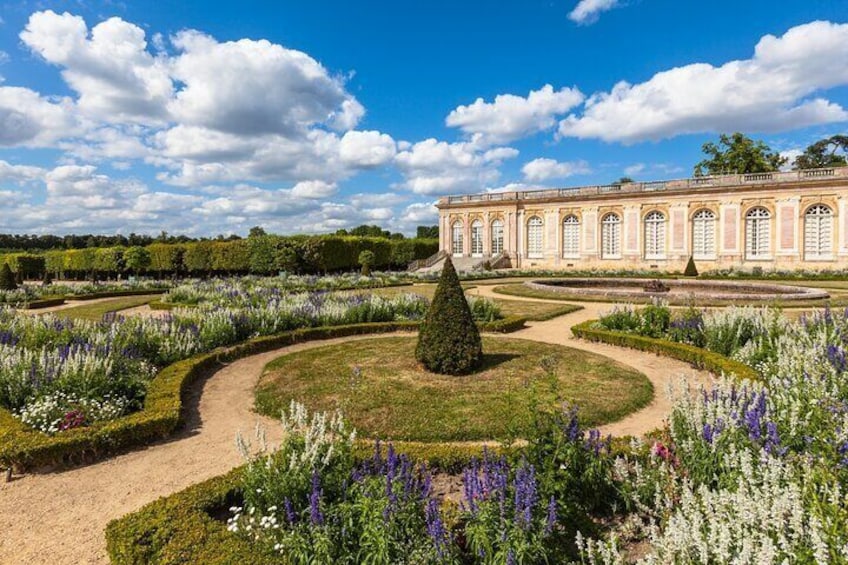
(448, 341)
(691, 270)
(7, 278)
(654, 320)
(366, 260)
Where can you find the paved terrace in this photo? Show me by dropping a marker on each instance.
(789, 178)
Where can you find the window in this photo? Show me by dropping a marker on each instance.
(571, 236)
(818, 232)
(655, 235)
(534, 237)
(703, 234)
(611, 237)
(497, 237)
(757, 233)
(476, 238)
(456, 239)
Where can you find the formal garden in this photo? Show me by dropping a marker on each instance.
(446, 441)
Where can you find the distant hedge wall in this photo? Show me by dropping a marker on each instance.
(260, 255)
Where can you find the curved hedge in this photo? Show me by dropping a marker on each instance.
(22, 447)
(696, 356)
(180, 528)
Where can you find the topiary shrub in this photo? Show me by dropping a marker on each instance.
(448, 341)
(366, 260)
(47, 279)
(691, 270)
(7, 278)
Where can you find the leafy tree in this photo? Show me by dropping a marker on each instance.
(738, 154)
(427, 232)
(197, 257)
(449, 341)
(256, 231)
(136, 259)
(109, 260)
(366, 259)
(830, 152)
(165, 257)
(288, 259)
(623, 180)
(263, 253)
(7, 278)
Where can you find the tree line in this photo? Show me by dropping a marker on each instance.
(260, 253)
(739, 154)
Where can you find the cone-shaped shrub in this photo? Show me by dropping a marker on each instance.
(7, 278)
(691, 270)
(449, 342)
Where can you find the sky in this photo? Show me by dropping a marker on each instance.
(209, 117)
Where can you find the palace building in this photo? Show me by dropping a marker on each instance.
(780, 220)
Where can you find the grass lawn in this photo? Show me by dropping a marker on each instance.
(97, 310)
(393, 398)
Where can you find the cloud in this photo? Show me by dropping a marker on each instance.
(543, 169)
(778, 89)
(588, 11)
(28, 119)
(251, 87)
(512, 117)
(316, 189)
(634, 169)
(366, 148)
(116, 78)
(19, 174)
(435, 167)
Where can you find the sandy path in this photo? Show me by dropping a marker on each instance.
(60, 517)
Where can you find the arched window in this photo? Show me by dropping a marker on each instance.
(818, 232)
(571, 236)
(757, 233)
(703, 234)
(611, 237)
(476, 238)
(497, 237)
(456, 239)
(655, 235)
(534, 237)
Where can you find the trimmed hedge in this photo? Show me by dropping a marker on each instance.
(115, 294)
(44, 303)
(22, 447)
(180, 529)
(504, 325)
(701, 358)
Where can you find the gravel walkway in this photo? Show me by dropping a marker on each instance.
(60, 517)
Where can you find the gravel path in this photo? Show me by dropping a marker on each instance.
(60, 517)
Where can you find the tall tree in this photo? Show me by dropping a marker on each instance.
(738, 154)
(829, 152)
(427, 232)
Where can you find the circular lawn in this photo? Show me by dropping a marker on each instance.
(384, 392)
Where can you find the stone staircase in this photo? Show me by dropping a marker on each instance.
(462, 264)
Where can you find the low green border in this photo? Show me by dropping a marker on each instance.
(179, 529)
(22, 447)
(59, 300)
(698, 357)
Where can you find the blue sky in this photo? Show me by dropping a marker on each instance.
(211, 117)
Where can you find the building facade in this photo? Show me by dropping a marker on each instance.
(780, 220)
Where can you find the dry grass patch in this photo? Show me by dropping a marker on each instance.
(385, 394)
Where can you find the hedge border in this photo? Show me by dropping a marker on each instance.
(44, 303)
(696, 356)
(179, 528)
(23, 448)
(59, 300)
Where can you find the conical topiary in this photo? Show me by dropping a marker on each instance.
(691, 270)
(7, 278)
(448, 341)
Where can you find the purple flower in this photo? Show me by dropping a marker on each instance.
(551, 519)
(436, 527)
(315, 501)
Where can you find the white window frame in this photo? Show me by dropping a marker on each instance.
(611, 236)
(457, 238)
(497, 237)
(477, 238)
(758, 234)
(535, 237)
(571, 237)
(818, 233)
(655, 234)
(704, 223)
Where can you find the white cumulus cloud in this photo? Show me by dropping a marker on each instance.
(512, 117)
(588, 11)
(543, 169)
(778, 89)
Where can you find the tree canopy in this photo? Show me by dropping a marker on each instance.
(829, 152)
(738, 154)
